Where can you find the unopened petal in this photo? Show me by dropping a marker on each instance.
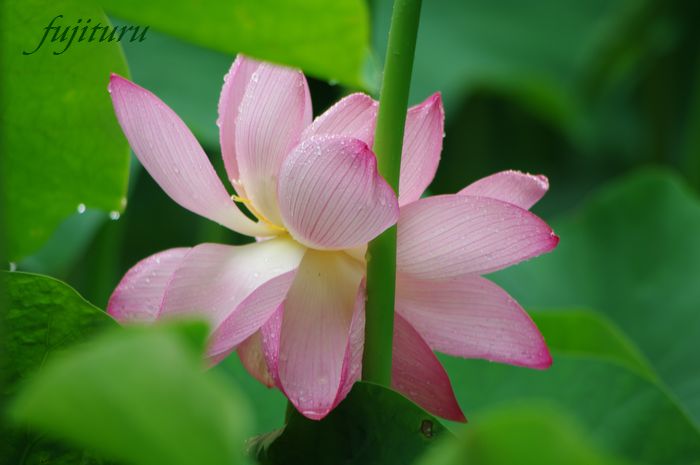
(332, 196)
(353, 116)
(235, 84)
(275, 109)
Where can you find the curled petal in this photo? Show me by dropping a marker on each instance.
(139, 294)
(353, 116)
(422, 144)
(312, 344)
(521, 189)
(274, 111)
(453, 235)
(417, 373)
(235, 84)
(331, 195)
(472, 317)
(174, 158)
(252, 312)
(352, 363)
(219, 282)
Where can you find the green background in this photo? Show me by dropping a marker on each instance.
(602, 96)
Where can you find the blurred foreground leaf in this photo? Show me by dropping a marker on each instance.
(41, 317)
(326, 39)
(269, 404)
(140, 396)
(632, 253)
(373, 425)
(531, 434)
(61, 143)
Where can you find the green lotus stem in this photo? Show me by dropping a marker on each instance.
(381, 255)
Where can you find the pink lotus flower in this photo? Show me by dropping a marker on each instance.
(292, 303)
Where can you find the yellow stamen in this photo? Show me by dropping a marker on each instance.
(249, 205)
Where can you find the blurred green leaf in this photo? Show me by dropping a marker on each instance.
(326, 39)
(536, 51)
(140, 396)
(586, 332)
(66, 245)
(41, 316)
(625, 415)
(169, 67)
(691, 144)
(632, 253)
(62, 146)
(373, 425)
(529, 434)
(269, 404)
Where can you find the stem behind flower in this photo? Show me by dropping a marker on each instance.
(381, 259)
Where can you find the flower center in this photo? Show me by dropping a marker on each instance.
(249, 205)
